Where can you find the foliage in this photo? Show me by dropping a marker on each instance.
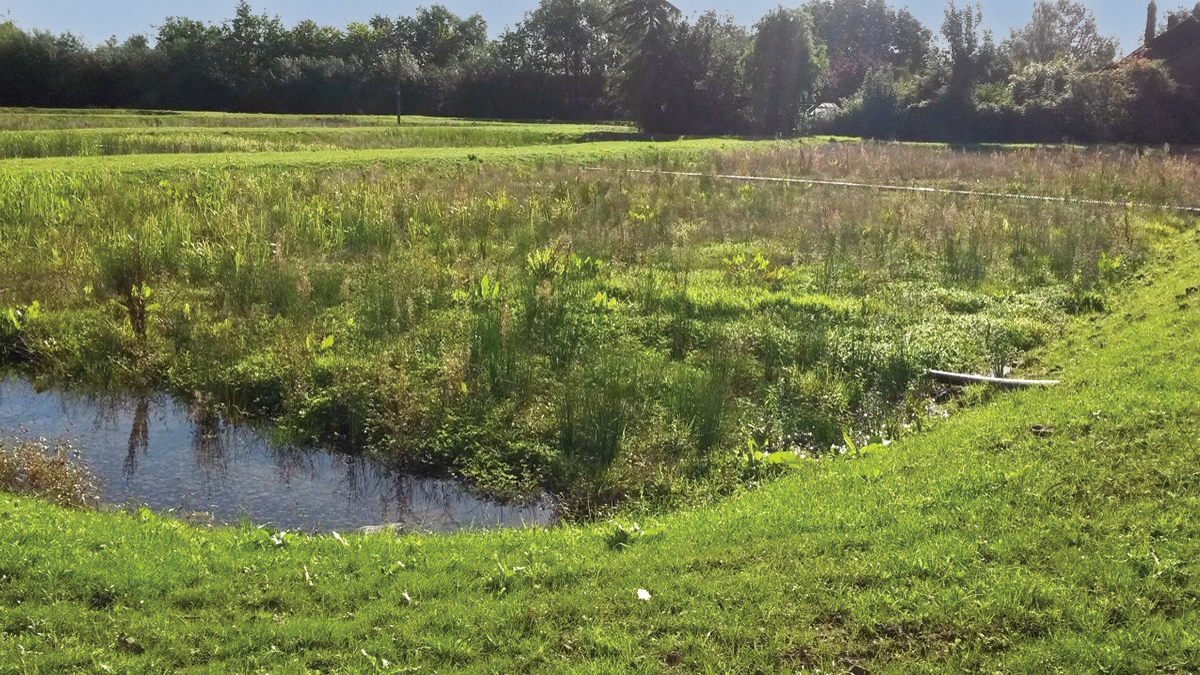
(646, 31)
(596, 59)
(503, 315)
(1046, 530)
(1061, 30)
(861, 37)
(783, 69)
(972, 53)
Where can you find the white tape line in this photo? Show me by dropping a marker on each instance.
(904, 188)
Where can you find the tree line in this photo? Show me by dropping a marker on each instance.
(892, 77)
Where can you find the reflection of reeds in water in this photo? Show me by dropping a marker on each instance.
(139, 436)
(396, 504)
(414, 503)
(293, 464)
(208, 438)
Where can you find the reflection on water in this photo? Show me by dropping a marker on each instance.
(150, 450)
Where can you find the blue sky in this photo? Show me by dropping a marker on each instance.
(96, 20)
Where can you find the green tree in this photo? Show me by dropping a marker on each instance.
(879, 104)
(438, 37)
(973, 54)
(1061, 29)
(565, 46)
(783, 69)
(864, 35)
(711, 50)
(248, 46)
(645, 30)
(188, 72)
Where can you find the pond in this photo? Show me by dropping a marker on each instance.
(150, 451)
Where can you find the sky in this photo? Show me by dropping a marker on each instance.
(97, 20)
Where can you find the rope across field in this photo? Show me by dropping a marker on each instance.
(909, 188)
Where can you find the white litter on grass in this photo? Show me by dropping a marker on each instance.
(643, 594)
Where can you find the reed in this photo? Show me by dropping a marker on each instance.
(685, 315)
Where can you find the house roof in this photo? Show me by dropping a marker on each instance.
(1171, 43)
(1178, 48)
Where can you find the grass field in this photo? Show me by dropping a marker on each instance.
(187, 140)
(739, 367)
(51, 118)
(979, 546)
(67, 133)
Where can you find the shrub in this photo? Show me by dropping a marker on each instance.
(53, 474)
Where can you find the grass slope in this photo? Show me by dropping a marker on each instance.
(75, 118)
(166, 140)
(979, 546)
(350, 159)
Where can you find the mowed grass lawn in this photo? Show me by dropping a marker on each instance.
(979, 546)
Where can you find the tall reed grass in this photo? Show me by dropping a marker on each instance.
(53, 474)
(606, 335)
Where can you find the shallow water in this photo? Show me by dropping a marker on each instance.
(148, 450)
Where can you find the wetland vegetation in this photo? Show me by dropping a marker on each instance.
(570, 319)
(704, 396)
(78, 134)
(617, 338)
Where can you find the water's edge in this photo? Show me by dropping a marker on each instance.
(148, 450)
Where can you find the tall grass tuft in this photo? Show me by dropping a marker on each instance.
(54, 474)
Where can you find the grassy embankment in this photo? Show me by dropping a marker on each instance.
(1047, 531)
(96, 142)
(618, 339)
(74, 133)
(142, 167)
(27, 119)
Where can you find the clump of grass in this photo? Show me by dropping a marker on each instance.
(51, 473)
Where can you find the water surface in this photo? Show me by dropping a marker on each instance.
(149, 450)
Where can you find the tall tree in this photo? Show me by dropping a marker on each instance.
(565, 46)
(863, 35)
(1061, 29)
(711, 51)
(970, 50)
(645, 29)
(248, 46)
(438, 37)
(189, 71)
(783, 69)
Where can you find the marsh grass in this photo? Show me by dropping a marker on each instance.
(548, 325)
(55, 474)
(30, 119)
(980, 546)
(183, 140)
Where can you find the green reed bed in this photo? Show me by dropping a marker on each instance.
(181, 140)
(616, 338)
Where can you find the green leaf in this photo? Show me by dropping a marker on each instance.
(785, 458)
